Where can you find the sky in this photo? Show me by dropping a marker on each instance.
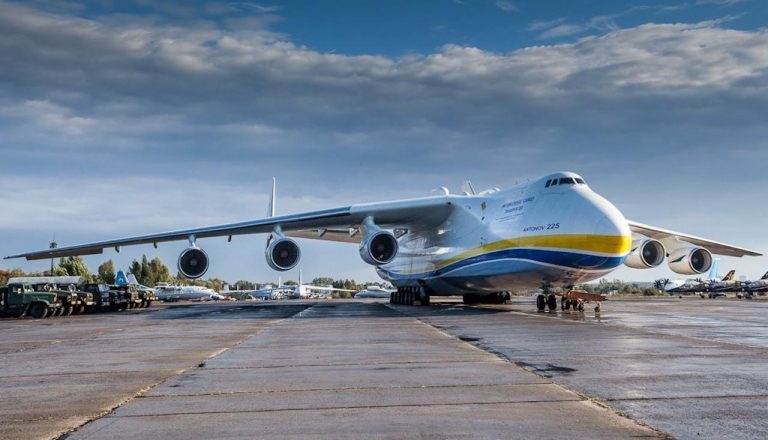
(120, 118)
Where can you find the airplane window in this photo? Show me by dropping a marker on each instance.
(549, 182)
(579, 180)
(565, 180)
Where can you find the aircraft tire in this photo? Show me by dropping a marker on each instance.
(541, 303)
(552, 302)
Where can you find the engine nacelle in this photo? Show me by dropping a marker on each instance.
(378, 247)
(645, 254)
(193, 262)
(282, 254)
(690, 261)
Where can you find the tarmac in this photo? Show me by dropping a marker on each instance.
(649, 368)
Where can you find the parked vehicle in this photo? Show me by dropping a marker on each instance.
(21, 299)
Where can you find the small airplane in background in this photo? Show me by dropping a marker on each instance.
(757, 286)
(728, 283)
(691, 285)
(374, 292)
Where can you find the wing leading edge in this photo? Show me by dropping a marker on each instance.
(313, 224)
(668, 237)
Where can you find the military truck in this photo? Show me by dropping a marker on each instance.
(130, 294)
(69, 300)
(105, 298)
(146, 295)
(86, 298)
(21, 299)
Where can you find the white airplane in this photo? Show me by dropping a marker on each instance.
(547, 232)
(374, 292)
(692, 285)
(171, 292)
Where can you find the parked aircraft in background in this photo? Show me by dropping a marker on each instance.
(374, 292)
(728, 283)
(756, 286)
(691, 285)
(171, 292)
(553, 231)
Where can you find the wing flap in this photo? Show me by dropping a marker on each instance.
(668, 237)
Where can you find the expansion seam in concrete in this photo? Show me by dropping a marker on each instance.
(327, 408)
(148, 388)
(585, 398)
(727, 396)
(267, 367)
(310, 390)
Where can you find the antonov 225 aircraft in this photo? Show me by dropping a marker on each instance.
(550, 232)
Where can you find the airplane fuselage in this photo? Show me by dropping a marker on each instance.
(518, 239)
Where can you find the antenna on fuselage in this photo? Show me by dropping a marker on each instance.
(467, 189)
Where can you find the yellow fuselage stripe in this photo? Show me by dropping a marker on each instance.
(604, 244)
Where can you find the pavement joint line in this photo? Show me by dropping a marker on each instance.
(725, 396)
(330, 408)
(146, 389)
(8, 378)
(451, 361)
(314, 390)
(584, 397)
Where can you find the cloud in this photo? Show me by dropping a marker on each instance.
(563, 30)
(216, 107)
(506, 5)
(719, 2)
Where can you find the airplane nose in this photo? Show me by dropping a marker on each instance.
(610, 226)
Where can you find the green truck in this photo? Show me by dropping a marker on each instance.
(21, 299)
(70, 301)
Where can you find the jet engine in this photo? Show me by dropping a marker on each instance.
(193, 262)
(690, 260)
(645, 254)
(378, 247)
(282, 254)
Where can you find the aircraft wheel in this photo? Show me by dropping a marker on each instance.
(581, 307)
(552, 302)
(57, 311)
(425, 300)
(541, 303)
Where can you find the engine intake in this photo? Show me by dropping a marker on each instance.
(379, 247)
(193, 263)
(690, 261)
(283, 254)
(645, 254)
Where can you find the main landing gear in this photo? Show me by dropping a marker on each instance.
(409, 296)
(493, 298)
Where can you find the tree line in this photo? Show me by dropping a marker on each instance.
(151, 272)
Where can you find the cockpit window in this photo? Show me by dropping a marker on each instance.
(549, 182)
(579, 180)
(567, 181)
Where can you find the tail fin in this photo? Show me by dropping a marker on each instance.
(730, 275)
(301, 281)
(713, 270)
(765, 277)
(271, 206)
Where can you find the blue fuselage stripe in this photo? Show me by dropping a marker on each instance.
(573, 260)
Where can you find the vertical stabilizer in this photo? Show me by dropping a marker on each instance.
(271, 207)
(730, 275)
(713, 271)
(301, 281)
(765, 277)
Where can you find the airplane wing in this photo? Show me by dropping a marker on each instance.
(328, 289)
(338, 224)
(668, 238)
